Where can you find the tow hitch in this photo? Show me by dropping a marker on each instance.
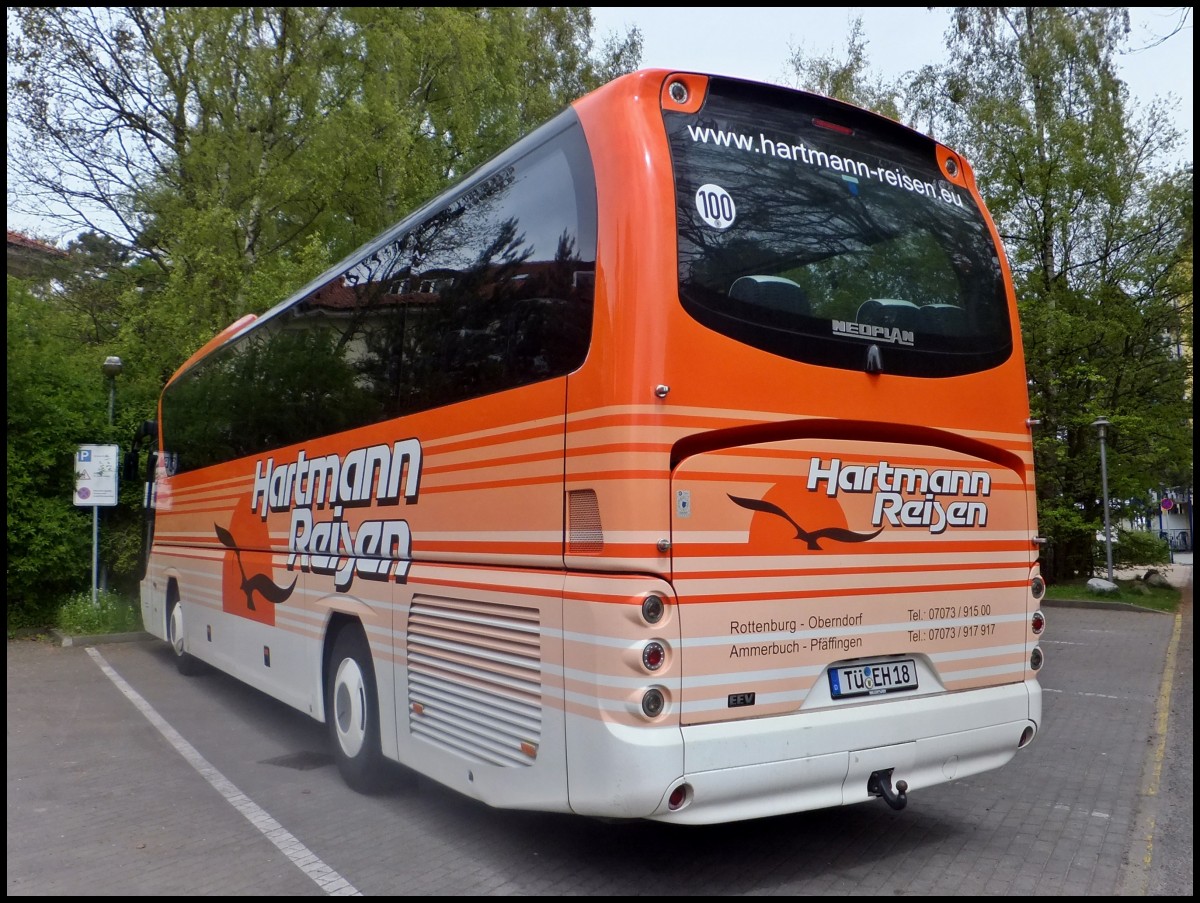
(880, 784)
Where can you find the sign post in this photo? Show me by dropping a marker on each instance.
(96, 487)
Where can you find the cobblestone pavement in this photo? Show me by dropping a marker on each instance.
(105, 799)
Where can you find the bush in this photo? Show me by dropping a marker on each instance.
(110, 613)
(1139, 549)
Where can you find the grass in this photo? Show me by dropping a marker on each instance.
(110, 613)
(1134, 592)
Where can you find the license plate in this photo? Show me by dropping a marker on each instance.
(873, 679)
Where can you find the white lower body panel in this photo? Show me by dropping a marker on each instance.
(812, 760)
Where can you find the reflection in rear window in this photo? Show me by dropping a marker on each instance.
(819, 232)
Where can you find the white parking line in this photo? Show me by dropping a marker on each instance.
(303, 858)
(1086, 695)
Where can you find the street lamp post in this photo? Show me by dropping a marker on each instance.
(112, 368)
(1101, 426)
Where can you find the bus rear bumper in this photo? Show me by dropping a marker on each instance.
(792, 763)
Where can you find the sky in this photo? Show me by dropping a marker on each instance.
(755, 43)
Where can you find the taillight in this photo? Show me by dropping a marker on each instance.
(1037, 623)
(1036, 659)
(653, 702)
(1037, 586)
(653, 655)
(653, 608)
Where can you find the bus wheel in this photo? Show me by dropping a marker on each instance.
(187, 664)
(352, 712)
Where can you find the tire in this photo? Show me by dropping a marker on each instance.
(352, 712)
(187, 664)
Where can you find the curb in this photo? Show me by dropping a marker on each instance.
(1100, 604)
(98, 639)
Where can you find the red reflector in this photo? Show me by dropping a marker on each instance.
(653, 656)
(677, 797)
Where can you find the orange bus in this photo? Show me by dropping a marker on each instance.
(676, 464)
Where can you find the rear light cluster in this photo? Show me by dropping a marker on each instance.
(654, 655)
(1037, 624)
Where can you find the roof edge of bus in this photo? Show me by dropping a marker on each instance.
(227, 333)
(659, 74)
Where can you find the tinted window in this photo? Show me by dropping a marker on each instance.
(488, 289)
(818, 232)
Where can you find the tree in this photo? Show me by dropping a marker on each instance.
(55, 402)
(215, 159)
(848, 79)
(242, 150)
(1098, 232)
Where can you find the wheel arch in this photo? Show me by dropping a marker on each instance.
(171, 598)
(338, 621)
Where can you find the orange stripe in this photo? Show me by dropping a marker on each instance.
(851, 591)
(607, 476)
(554, 479)
(579, 450)
(543, 547)
(491, 588)
(829, 572)
(516, 434)
(533, 457)
(691, 551)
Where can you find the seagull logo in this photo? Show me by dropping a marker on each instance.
(259, 583)
(811, 538)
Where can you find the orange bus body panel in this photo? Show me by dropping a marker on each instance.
(793, 518)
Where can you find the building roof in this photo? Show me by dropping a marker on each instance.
(17, 240)
(29, 257)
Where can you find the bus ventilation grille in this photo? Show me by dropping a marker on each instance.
(585, 535)
(475, 679)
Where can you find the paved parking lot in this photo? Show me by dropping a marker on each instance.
(126, 778)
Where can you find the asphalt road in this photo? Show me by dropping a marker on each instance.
(126, 778)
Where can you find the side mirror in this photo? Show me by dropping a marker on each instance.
(129, 465)
(147, 434)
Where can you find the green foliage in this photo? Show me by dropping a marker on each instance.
(252, 147)
(1099, 237)
(1137, 548)
(1071, 534)
(56, 400)
(848, 79)
(241, 151)
(1130, 592)
(236, 153)
(109, 613)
